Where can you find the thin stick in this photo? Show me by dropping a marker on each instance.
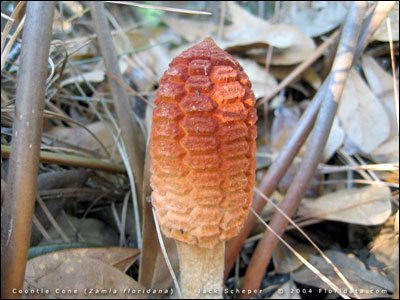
(302, 259)
(19, 198)
(340, 274)
(301, 68)
(129, 129)
(131, 90)
(375, 167)
(123, 219)
(8, 18)
(395, 89)
(51, 219)
(299, 135)
(9, 24)
(275, 173)
(341, 208)
(340, 69)
(42, 230)
(361, 181)
(171, 9)
(71, 160)
(7, 49)
(57, 116)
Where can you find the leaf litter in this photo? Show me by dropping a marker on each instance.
(366, 125)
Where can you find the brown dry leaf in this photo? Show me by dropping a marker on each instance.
(285, 261)
(119, 257)
(384, 254)
(191, 30)
(388, 152)
(81, 138)
(309, 75)
(136, 38)
(362, 115)
(381, 83)
(366, 206)
(312, 78)
(335, 140)
(262, 83)
(313, 18)
(162, 278)
(285, 122)
(290, 45)
(89, 230)
(91, 76)
(97, 75)
(367, 283)
(86, 277)
(382, 33)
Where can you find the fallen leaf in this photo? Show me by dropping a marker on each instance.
(388, 152)
(79, 277)
(335, 140)
(91, 230)
(285, 121)
(262, 83)
(313, 18)
(312, 78)
(91, 76)
(366, 206)
(81, 138)
(382, 34)
(285, 261)
(119, 257)
(291, 46)
(384, 253)
(191, 30)
(97, 75)
(283, 124)
(381, 83)
(362, 115)
(367, 283)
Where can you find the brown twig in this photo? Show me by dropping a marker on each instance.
(19, 201)
(10, 23)
(275, 173)
(293, 145)
(130, 131)
(301, 68)
(71, 160)
(318, 138)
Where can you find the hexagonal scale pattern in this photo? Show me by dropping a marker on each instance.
(203, 145)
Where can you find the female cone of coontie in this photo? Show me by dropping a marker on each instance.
(202, 161)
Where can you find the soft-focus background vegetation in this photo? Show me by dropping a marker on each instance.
(84, 195)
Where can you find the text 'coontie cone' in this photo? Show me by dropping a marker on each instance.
(203, 147)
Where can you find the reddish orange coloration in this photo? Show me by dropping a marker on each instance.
(203, 147)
